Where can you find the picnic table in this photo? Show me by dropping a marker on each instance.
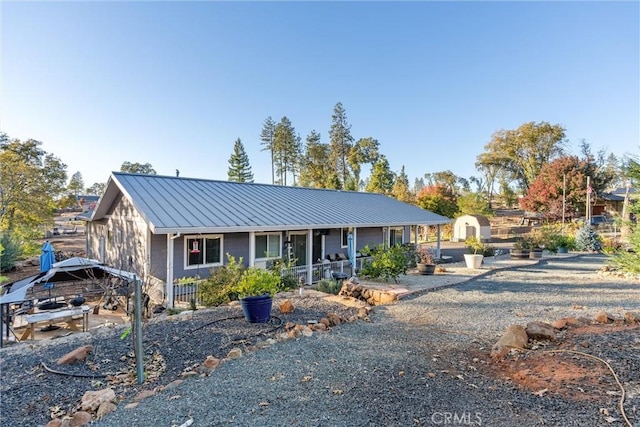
(66, 314)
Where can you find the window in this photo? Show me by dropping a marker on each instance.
(268, 246)
(396, 236)
(203, 251)
(345, 237)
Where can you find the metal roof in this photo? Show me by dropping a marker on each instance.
(188, 205)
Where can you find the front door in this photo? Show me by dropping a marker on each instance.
(299, 246)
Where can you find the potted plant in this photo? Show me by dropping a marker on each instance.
(561, 244)
(426, 263)
(522, 247)
(256, 289)
(476, 249)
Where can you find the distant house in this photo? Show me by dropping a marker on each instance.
(611, 203)
(164, 228)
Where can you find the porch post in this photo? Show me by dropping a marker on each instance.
(252, 248)
(169, 290)
(310, 259)
(438, 241)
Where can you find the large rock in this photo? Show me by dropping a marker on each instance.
(81, 418)
(77, 355)
(540, 331)
(104, 409)
(603, 317)
(211, 362)
(514, 336)
(92, 399)
(286, 307)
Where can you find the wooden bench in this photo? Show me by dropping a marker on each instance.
(66, 314)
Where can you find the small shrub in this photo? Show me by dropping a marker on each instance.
(587, 239)
(9, 251)
(287, 280)
(386, 263)
(328, 286)
(611, 245)
(475, 245)
(218, 288)
(257, 281)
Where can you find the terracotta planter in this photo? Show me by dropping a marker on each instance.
(473, 261)
(426, 269)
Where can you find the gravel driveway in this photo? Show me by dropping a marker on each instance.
(423, 361)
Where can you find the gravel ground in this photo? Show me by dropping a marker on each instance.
(423, 361)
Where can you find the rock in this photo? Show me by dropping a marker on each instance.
(363, 312)
(234, 353)
(56, 422)
(92, 399)
(306, 331)
(289, 325)
(630, 318)
(603, 317)
(559, 324)
(584, 344)
(334, 319)
(385, 298)
(325, 322)
(104, 409)
(320, 327)
(514, 336)
(77, 355)
(174, 384)
(82, 418)
(540, 331)
(286, 307)
(143, 395)
(189, 374)
(294, 333)
(572, 321)
(211, 362)
(132, 405)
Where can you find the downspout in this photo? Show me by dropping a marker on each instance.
(169, 290)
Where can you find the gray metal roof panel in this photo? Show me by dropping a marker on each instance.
(172, 204)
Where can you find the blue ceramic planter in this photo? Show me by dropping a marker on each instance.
(257, 309)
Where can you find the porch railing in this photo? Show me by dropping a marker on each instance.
(184, 293)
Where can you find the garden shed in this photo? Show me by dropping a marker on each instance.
(471, 225)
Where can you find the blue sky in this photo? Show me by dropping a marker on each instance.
(174, 84)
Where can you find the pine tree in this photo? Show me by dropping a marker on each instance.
(239, 168)
(267, 136)
(587, 239)
(286, 148)
(341, 143)
(381, 180)
(401, 189)
(314, 169)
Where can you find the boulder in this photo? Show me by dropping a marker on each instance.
(540, 331)
(82, 418)
(104, 409)
(286, 307)
(77, 355)
(234, 353)
(513, 336)
(211, 362)
(603, 317)
(92, 399)
(559, 324)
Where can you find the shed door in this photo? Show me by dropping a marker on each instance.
(471, 231)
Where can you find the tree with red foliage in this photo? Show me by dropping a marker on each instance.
(545, 193)
(439, 199)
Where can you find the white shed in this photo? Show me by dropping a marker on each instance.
(471, 225)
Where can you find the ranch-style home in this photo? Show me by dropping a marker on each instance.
(165, 228)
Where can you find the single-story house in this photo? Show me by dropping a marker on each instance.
(165, 228)
(471, 225)
(611, 203)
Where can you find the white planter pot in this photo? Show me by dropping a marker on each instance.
(473, 261)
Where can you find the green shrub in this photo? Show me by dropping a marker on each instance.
(257, 281)
(218, 288)
(386, 263)
(287, 280)
(611, 245)
(328, 286)
(9, 251)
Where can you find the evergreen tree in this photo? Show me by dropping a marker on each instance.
(76, 184)
(286, 146)
(381, 179)
(267, 136)
(401, 189)
(142, 169)
(239, 168)
(341, 143)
